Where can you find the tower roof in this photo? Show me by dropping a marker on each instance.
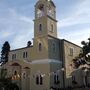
(50, 2)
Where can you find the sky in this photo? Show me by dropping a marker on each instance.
(17, 26)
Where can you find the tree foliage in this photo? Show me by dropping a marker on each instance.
(84, 56)
(86, 47)
(5, 52)
(29, 43)
(6, 82)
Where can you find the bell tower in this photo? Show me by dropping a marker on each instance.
(45, 22)
(45, 25)
(46, 58)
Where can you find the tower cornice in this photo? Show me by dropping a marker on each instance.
(52, 18)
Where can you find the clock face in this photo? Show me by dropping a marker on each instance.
(40, 11)
(50, 12)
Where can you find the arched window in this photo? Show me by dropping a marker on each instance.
(51, 27)
(23, 54)
(73, 78)
(40, 46)
(54, 47)
(40, 27)
(13, 56)
(24, 75)
(41, 80)
(37, 80)
(56, 79)
(71, 51)
(26, 54)
(15, 75)
(15, 72)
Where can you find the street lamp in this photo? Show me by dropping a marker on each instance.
(63, 70)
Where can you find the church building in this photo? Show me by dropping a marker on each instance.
(47, 63)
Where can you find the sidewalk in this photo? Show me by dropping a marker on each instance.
(82, 89)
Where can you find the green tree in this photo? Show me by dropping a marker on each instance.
(6, 82)
(29, 43)
(5, 52)
(84, 56)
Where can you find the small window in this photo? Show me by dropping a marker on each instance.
(24, 75)
(15, 72)
(13, 56)
(25, 54)
(39, 80)
(54, 47)
(40, 46)
(71, 51)
(56, 79)
(73, 78)
(40, 27)
(51, 28)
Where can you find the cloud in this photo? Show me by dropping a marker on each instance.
(21, 39)
(75, 25)
(74, 20)
(15, 28)
(16, 23)
(77, 36)
(5, 34)
(26, 19)
(81, 15)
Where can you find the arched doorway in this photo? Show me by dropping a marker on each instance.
(26, 78)
(16, 75)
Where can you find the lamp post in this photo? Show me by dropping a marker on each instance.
(85, 71)
(63, 77)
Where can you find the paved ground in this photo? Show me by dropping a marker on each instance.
(82, 89)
